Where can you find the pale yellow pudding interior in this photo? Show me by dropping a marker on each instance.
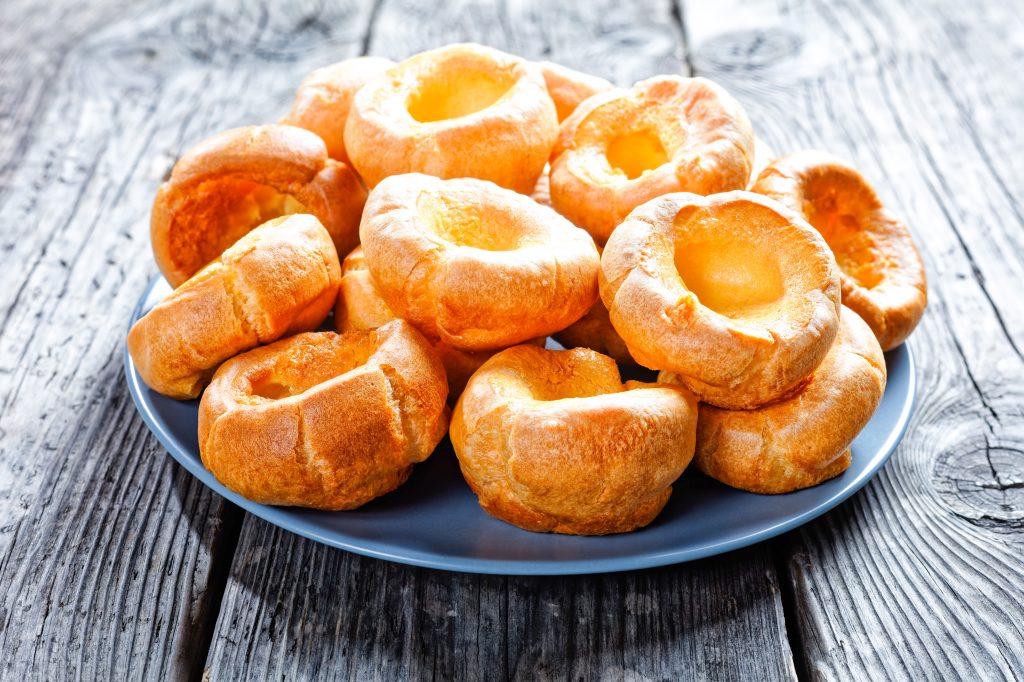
(732, 277)
(635, 153)
(219, 213)
(465, 220)
(576, 386)
(564, 375)
(304, 366)
(447, 93)
(840, 208)
(256, 204)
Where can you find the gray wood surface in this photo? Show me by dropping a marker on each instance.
(115, 563)
(112, 558)
(921, 576)
(295, 609)
(108, 552)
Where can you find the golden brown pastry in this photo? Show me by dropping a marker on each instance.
(626, 146)
(804, 438)
(568, 87)
(457, 111)
(360, 306)
(475, 265)
(542, 190)
(554, 441)
(324, 420)
(734, 292)
(325, 96)
(763, 155)
(595, 331)
(232, 182)
(279, 279)
(882, 275)
(460, 365)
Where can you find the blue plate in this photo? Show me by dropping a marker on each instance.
(434, 520)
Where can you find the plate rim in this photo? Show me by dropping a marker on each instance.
(279, 517)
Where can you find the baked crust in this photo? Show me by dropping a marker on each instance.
(595, 331)
(474, 265)
(554, 441)
(542, 190)
(733, 292)
(457, 111)
(228, 184)
(324, 98)
(624, 147)
(569, 87)
(763, 156)
(279, 279)
(805, 438)
(360, 306)
(882, 276)
(324, 420)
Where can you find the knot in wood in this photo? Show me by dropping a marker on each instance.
(983, 484)
(748, 50)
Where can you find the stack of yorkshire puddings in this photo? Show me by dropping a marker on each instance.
(481, 203)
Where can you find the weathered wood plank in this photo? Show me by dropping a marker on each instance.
(623, 42)
(922, 575)
(112, 559)
(294, 609)
(298, 610)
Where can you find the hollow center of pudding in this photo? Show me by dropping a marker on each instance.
(452, 93)
(307, 365)
(731, 276)
(575, 373)
(217, 214)
(633, 154)
(840, 210)
(271, 389)
(466, 219)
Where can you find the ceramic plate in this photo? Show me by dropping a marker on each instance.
(434, 520)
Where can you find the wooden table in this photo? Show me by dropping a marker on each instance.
(116, 564)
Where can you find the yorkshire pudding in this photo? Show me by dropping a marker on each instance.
(804, 438)
(734, 292)
(554, 441)
(595, 331)
(623, 147)
(279, 279)
(457, 111)
(763, 155)
(325, 96)
(881, 273)
(568, 87)
(232, 182)
(475, 265)
(360, 306)
(542, 190)
(324, 420)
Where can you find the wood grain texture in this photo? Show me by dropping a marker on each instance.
(294, 609)
(112, 559)
(921, 576)
(623, 42)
